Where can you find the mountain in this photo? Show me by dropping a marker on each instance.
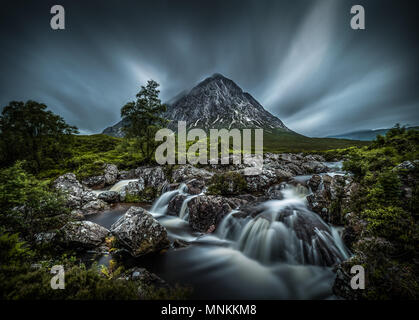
(365, 135)
(217, 102)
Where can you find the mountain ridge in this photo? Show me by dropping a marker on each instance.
(216, 102)
(365, 135)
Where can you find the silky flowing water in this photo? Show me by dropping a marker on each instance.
(285, 251)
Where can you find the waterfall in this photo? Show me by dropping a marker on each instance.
(160, 206)
(283, 231)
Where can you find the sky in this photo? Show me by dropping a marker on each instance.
(300, 59)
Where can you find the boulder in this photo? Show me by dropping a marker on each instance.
(175, 204)
(97, 182)
(283, 174)
(109, 196)
(72, 188)
(259, 183)
(95, 206)
(152, 176)
(82, 235)
(133, 188)
(88, 196)
(189, 172)
(206, 212)
(68, 183)
(275, 192)
(195, 186)
(139, 233)
(110, 174)
(331, 201)
(314, 182)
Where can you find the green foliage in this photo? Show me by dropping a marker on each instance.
(390, 212)
(29, 132)
(28, 205)
(387, 277)
(144, 118)
(149, 194)
(227, 184)
(12, 250)
(394, 224)
(90, 153)
(21, 280)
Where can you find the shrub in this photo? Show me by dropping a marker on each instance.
(227, 184)
(28, 205)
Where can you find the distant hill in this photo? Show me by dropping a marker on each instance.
(365, 135)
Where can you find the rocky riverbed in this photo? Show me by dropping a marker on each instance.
(275, 235)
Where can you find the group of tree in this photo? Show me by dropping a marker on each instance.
(30, 132)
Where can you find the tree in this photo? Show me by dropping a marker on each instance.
(29, 132)
(28, 205)
(144, 118)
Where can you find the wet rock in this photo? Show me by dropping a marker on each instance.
(82, 235)
(313, 167)
(97, 182)
(342, 284)
(314, 182)
(283, 175)
(189, 172)
(109, 196)
(152, 176)
(259, 183)
(205, 211)
(110, 174)
(88, 196)
(275, 192)
(175, 204)
(195, 186)
(139, 233)
(314, 157)
(355, 229)
(77, 214)
(133, 188)
(333, 199)
(126, 174)
(95, 206)
(178, 243)
(68, 183)
(72, 188)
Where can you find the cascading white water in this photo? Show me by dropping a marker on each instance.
(160, 206)
(284, 231)
(276, 249)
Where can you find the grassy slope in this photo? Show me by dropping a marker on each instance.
(283, 141)
(89, 153)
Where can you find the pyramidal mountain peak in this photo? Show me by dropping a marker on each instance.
(216, 102)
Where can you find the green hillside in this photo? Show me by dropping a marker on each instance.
(280, 140)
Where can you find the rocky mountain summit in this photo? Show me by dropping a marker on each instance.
(217, 102)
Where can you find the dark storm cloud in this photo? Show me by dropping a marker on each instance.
(300, 59)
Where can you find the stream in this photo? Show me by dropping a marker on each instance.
(285, 251)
